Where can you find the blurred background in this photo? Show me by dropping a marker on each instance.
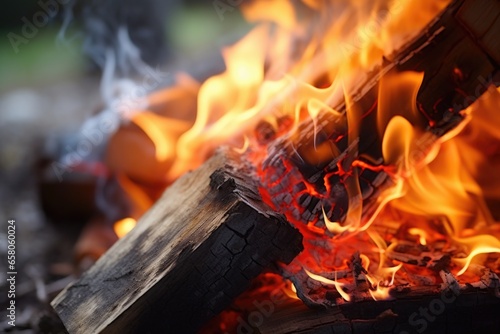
(52, 54)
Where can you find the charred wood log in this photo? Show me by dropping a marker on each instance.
(189, 256)
(459, 57)
(425, 311)
(453, 307)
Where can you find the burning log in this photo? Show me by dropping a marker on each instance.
(459, 58)
(189, 256)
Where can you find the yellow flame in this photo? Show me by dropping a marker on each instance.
(380, 293)
(365, 261)
(148, 123)
(291, 292)
(478, 244)
(244, 148)
(124, 226)
(382, 272)
(277, 68)
(450, 178)
(393, 271)
(338, 285)
(422, 235)
(333, 227)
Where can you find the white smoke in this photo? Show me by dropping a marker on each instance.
(125, 83)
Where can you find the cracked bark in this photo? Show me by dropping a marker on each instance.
(190, 255)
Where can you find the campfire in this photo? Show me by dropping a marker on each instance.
(339, 174)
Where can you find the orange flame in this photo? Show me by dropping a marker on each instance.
(304, 58)
(338, 285)
(124, 226)
(422, 235)
(449, 185)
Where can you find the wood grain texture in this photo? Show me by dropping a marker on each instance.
(188, 257)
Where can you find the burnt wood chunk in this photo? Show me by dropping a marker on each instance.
(195, 250)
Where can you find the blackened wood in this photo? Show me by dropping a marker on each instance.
(474, 311)
(189, 256)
